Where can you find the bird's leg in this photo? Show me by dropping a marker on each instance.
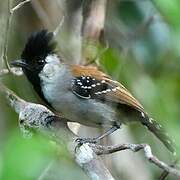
(96, 139)
(107, 133)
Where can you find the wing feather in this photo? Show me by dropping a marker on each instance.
(120, 93)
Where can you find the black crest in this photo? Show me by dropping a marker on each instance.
(39, 45)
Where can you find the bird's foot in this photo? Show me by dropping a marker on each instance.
(81, 141)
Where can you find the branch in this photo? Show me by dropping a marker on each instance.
(102, 150)
(40, 118)
(7, 29)
(58, 28)
(164, 174)
(18, 6)
(36, 116)
(91, 164)
(10, 13)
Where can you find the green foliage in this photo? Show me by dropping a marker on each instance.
(170, 11)
(26, 159)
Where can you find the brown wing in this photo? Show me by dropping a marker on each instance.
(117, 92)
(113, 91)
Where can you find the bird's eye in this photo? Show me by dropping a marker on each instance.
(41, 62)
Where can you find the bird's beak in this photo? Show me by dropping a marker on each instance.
(19, 63)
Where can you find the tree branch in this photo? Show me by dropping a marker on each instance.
(36, 116)
(18, 6)
(7, 29)
(102, 150)
(39, 118)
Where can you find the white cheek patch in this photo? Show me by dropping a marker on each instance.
(48, 70)
(52, 59)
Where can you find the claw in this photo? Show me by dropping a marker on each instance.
(81, 141)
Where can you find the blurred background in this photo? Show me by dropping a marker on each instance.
(143, 54)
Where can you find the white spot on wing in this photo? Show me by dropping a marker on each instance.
(142, 114)
(104, 91)
(79, 83)
(151, 120)
(98, 93)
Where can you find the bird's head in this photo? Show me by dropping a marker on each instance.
(38, 49)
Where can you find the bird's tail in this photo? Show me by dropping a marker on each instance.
(158, 131)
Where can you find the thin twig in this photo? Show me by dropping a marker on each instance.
(165, 174)
(100, 150)
(7, 29)
(45, 172)
(7, 32)
(58, 28)
(18, 6)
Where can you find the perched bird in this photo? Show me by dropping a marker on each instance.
(81, 93)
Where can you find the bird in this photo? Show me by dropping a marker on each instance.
(80, 93)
